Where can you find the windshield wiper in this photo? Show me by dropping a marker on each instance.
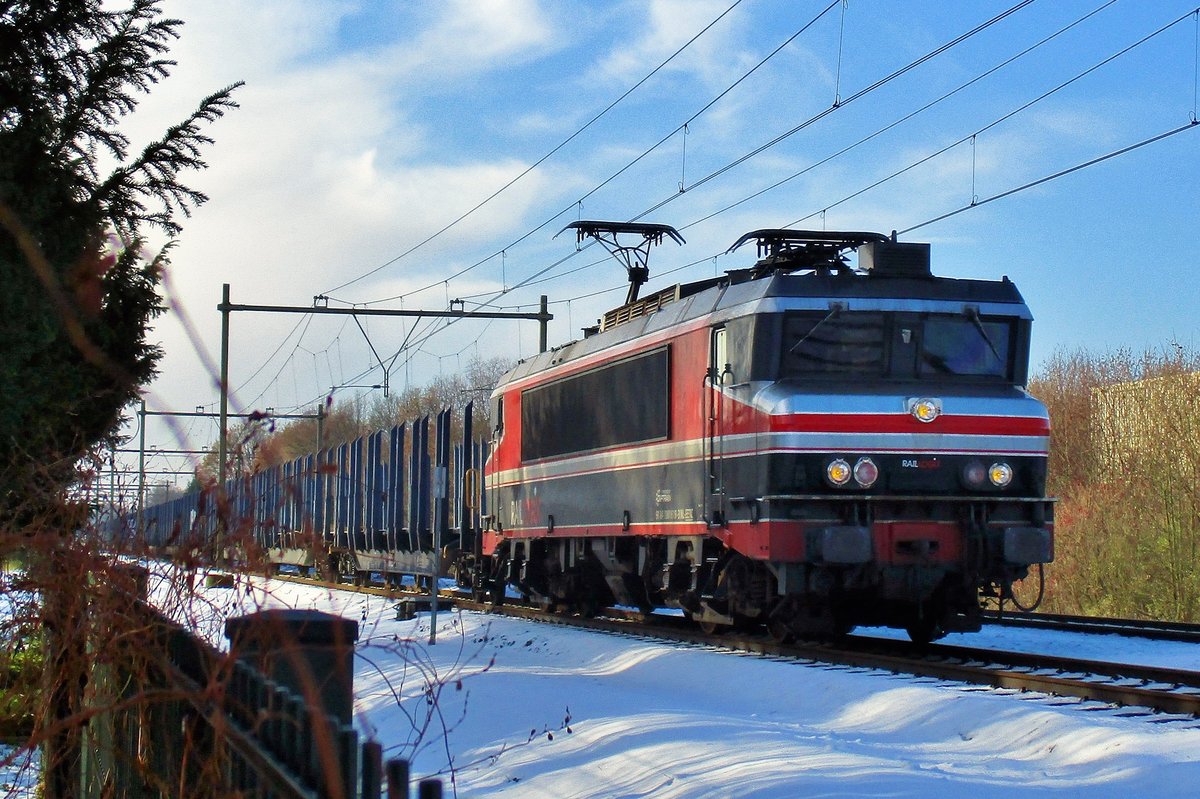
(835, 308)
(972, 313)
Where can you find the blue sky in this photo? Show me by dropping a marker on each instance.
(365, 127)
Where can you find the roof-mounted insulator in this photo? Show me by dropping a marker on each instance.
(634, 257)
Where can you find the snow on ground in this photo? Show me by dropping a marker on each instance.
(534, 710)
(1110, 648)
(19, 778)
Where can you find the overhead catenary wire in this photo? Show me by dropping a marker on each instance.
(999, 120)
(912, 114)
(1196, 63)
(922, 59)
(695, 116)
(837, 79)
(306, 320)
(443, 324)
(782, 137)
(1191, 125)
(627, 166)
(707, 106)
(852, 98)
(530, 280)
(545, 157)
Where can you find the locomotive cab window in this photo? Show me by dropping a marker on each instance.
(966, 346)
(836, 342)
(871, 345)
(721, 371)
(498, 418)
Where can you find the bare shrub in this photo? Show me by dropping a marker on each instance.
(1125, 464)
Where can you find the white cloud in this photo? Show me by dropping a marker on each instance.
(238, 34)
(663, 26)
(470, 36)
(323, 174)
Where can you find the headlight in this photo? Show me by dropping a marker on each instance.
(1000, 474)
(866, 472)
(838, 472)
(974, 474)
(925, 409)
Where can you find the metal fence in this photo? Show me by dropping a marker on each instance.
(269, 719)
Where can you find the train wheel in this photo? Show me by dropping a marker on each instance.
(587, 607)
(924, 630)
(494, 592)
(492, 587)
(346, 571)
(328, 569)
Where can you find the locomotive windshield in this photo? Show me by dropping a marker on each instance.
(900, 346)
(834, 343)
(954, 345)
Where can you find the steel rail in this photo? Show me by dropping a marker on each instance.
(1101, 625)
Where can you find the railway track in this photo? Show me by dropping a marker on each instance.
(1164, 690)
(1100, 625)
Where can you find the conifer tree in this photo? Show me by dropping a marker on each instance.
(78, 295)
(76, 301)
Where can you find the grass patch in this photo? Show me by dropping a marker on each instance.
(20, 686)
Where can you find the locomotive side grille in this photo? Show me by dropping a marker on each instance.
(634, 310)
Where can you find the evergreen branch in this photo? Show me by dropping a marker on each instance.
(154, 175)
(125, 61)
(76, 317)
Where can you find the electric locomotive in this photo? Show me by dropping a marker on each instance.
(798, 443)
